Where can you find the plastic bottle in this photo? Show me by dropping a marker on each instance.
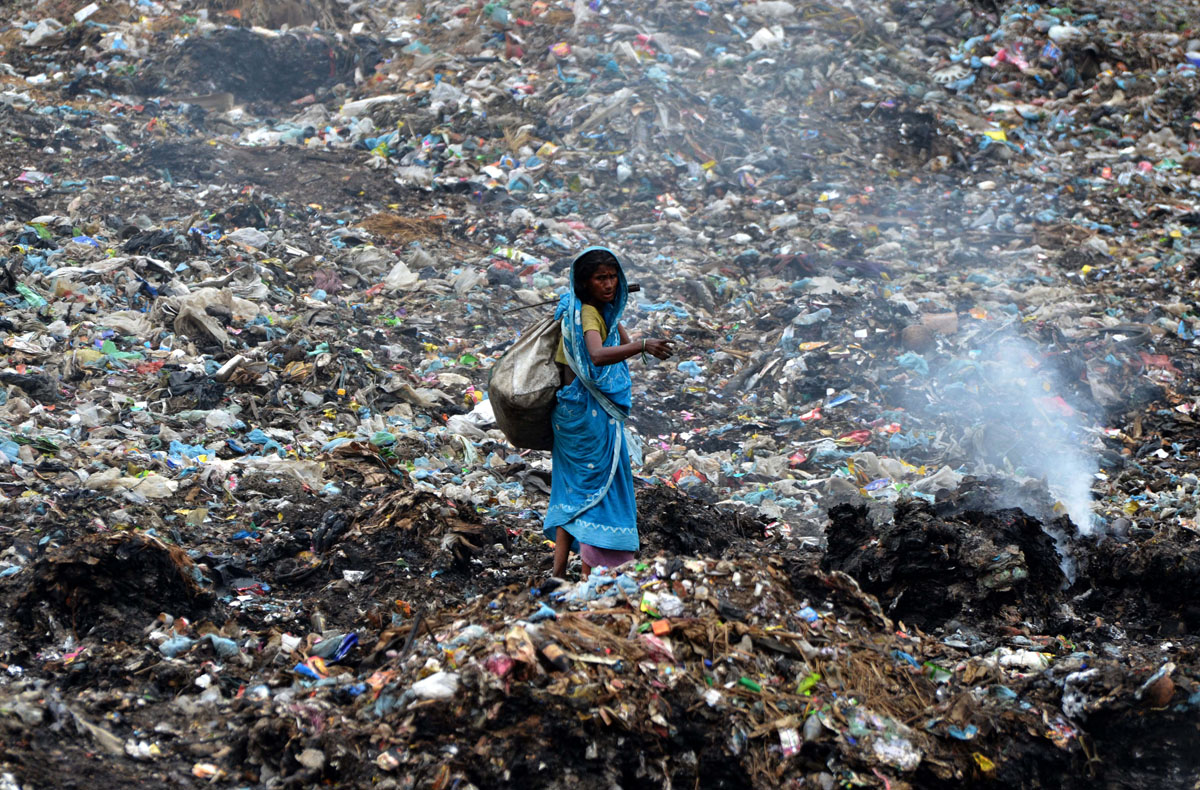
(816, 317)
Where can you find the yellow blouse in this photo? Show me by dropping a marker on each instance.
(592, 321)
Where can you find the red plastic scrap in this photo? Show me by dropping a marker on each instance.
(499, 664)
(687, 472)
(1160, 361)
(1057, 405)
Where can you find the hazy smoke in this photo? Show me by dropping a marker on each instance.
(1011, 413)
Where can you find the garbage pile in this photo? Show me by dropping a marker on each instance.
(918, 497)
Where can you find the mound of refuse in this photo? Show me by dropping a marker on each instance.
(917, 496)
(101, 586)
(929, 569)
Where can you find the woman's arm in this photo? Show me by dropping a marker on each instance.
(610, 355)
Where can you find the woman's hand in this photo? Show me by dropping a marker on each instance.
(660, 349)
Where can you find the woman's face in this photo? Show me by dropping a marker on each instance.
(602, 285)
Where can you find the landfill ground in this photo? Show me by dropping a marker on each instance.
(918, 501)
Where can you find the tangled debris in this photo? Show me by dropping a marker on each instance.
(918, 501)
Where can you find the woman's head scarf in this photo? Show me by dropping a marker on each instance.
(612, 380)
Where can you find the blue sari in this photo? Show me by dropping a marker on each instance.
(591, 486)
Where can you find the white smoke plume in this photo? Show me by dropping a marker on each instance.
(1012, 415)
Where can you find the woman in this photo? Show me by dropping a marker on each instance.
(592, 506)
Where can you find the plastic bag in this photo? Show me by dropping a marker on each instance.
(523, 385)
